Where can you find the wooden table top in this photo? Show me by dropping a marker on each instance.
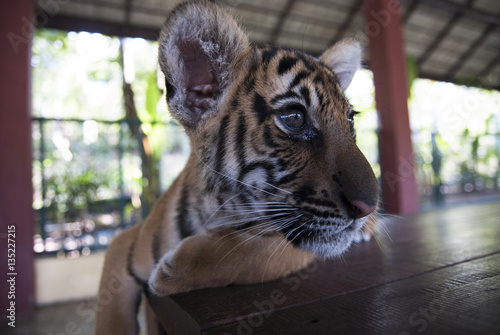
(432, 273)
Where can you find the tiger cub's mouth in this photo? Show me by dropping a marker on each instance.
(328, 238)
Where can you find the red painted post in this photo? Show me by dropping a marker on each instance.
(384, 34)
(16, 213)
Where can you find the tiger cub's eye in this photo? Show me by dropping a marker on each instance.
(293, 118)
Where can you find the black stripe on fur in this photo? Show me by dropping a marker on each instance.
(182, 218)
(261, 108)
(130, 267)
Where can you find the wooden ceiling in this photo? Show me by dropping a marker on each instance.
(456, 41)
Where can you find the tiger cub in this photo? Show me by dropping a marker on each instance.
(274, 177)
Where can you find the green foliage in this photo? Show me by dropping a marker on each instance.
(84, 171)
(465, 154)
(153, 94)
(411, 74)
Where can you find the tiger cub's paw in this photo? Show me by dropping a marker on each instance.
(188, 267)
(164, 279)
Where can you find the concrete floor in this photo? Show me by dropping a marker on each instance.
(71, 318)
(60, 319)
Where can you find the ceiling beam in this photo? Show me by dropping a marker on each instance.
(347, 22)
(128, 12)
(487, 70)
(469, 12)
(151, 10)
(472, 48)
(330, 4)
(247, 6)
(479, 82)
(436, 77)
(281, 22)
(311, 38)
(70, 23)
(443, 33)
(409, 11)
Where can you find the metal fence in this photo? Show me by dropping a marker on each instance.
(458, 169)
(88, 181)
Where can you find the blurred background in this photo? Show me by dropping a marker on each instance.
(104, 146)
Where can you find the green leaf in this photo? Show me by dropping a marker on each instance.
(411, 73)
(153, 95)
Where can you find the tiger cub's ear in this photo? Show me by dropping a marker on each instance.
(200, 47)
(344, 58)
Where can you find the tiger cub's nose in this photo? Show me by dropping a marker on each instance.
(361, 209)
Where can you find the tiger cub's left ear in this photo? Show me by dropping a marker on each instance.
(200, 53)
(344, 58)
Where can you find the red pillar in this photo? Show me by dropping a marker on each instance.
(383, 30)
(16, 213)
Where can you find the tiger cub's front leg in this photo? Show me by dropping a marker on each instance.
(224, 256)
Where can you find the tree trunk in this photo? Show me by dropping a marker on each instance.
(150, 171)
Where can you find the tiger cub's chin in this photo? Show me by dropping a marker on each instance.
(329, 241)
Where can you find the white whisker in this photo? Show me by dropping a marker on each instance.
(279, 189)
(274, 226)
(261, 205)
(241, 243)
(390, 215)
(225, 202)
(232, 223)
(272, 254)
(250, 211)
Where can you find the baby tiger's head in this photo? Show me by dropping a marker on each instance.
(271, 129)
